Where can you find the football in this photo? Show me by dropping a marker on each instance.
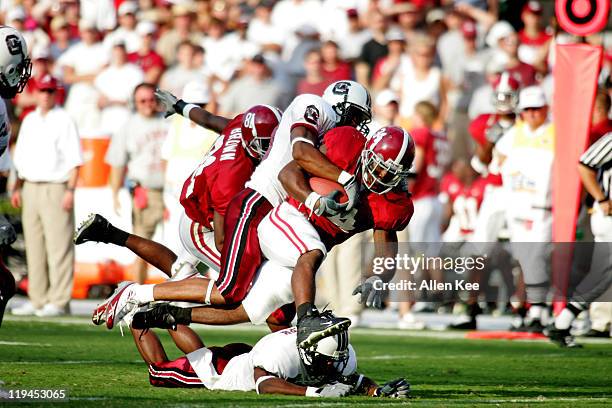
(324, 187)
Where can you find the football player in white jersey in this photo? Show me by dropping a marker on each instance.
(15, 70)
(298, 137)
(274, 365)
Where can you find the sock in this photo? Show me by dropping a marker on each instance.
(143, 293)
(181, 315)
(117, 236)
(535, 311)
(565, 319)
(306, 308)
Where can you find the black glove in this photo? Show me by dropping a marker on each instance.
(398, 388)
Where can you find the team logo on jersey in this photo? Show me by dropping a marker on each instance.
(14, 44)
(312, 114)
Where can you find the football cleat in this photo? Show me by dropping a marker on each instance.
(95, 228)
(597, 334)
(313, 327)
(563, 338)
(116, 307)
(159, 316)
(468, 323)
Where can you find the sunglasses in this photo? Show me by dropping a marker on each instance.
(145, 100)
(49, 90)
(532, 109)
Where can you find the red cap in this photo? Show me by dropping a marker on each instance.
(352, 13)
(46, 82)
(533, 6)
(468, 29)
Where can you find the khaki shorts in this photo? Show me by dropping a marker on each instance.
(146, 219)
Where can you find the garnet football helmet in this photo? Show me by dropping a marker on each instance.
(258, 126)
(386, 159)
(15, 66)
(505, 94)
(352, 102)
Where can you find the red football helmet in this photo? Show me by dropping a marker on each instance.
(258, 125)
(386, 159)
(505, 93)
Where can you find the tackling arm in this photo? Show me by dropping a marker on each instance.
(266, 383)
(193, 112)
(304, 152)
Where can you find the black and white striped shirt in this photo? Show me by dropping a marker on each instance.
(599, 157)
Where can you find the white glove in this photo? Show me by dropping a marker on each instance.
(333, 390)
(370, 296)
(349, 182)
(168, 101)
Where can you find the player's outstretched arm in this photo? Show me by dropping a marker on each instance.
(193, 112)
(265, 383)
(362, 385)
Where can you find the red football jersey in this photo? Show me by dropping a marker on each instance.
(219, 177)
(391, 211)
(466, 200)
(436, 148)
(478, 129)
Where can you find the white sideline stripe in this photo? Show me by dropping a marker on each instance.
(72, 362)
(446, 402)
(21, 343)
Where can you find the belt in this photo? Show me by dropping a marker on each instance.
(45, 182)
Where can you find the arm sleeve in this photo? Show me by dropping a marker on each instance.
(599, 153)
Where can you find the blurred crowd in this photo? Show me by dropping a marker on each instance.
(429, 64)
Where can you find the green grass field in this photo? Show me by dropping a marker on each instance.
(101, 368)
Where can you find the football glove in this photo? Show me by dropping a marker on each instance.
(168, 101)
(370, 296)
(349, 182)
(327, 203)
(398, 388)
(333, 390)
(344, 220)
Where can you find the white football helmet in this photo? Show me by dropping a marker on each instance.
(15, 66)
(328, 359)
(352, 102)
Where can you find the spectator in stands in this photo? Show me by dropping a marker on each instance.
(149, 61)
(334, 69)
(482, 98)
(185, 71)
(386, 110)
(352, 42)
(314, 82)
(522, 72)
(47, 157)
(81, 63)
(372, 50)
(181, 31)
(100, 12)
(534, 40)
(61, 37)
(262, 32)
(387, 65)
(410, 18)
(115, 85)
(34, 35)
(126, 32)
(135, 153)
(256, 86)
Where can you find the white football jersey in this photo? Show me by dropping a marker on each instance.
(305, 110)
(276, 353)
(5, 129)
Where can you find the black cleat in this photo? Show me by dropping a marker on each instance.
(161, 316)
(95, 228)
(563, 338)
(464, 325)
(315, 326)
(535, 326)
(597, 334)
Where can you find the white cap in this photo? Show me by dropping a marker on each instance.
(40, 52)
(434, 15)
(385, 97)
(532, 97)
(196, 92)
(16, 13)
(395, 34)
(146, 27)
(86, 24)
(499, 30)
(127, 7)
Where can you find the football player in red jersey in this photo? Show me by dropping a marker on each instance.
(205, 196)
(296, 239)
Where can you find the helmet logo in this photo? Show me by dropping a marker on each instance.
(14, 44)
(341, 88)
(312, 114)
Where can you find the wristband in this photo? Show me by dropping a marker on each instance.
(311, 201)
(209, 289)
(312, 392)
(183, 107)
(260, 380)
(344, 177)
